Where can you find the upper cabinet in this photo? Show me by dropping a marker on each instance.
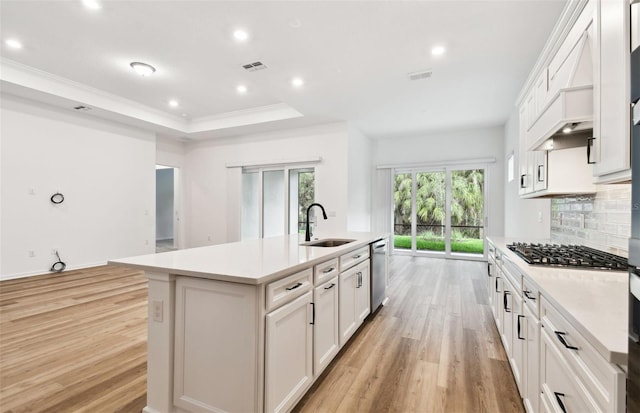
(576, 103)
(611, 126)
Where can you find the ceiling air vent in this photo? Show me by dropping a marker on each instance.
(82, 108)
(252, 67)
(422, 74)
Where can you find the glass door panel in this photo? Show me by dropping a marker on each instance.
(467, 211)
(250, 205)
(273, 206)
(431, 211)
(402, 212)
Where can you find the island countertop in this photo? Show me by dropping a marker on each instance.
(249, 262)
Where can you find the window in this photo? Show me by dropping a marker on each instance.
(270, 206)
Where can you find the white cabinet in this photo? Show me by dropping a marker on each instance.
(288, 354)
(530, 326)
(611, 92)
(326, 336)
(518, 341)
(506, 334)
(354, 299)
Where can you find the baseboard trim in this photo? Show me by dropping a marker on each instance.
(35, 274)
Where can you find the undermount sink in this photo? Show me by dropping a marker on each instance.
(327, 242)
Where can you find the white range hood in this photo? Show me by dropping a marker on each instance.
(568, 112)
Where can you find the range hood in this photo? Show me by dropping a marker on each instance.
(566, 120)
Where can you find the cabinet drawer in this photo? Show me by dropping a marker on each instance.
(325, 271)
(286, 289)
(350, 259)
(531, 297)
(602, 381)
(561, 391)
(512, 273)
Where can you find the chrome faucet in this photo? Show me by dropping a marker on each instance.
(308, 234)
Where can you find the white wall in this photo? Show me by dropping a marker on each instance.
(360, 180)
(521, 215)
(213, 219)
(106, 172)
(454, 146)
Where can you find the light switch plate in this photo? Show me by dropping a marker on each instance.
(156, 310)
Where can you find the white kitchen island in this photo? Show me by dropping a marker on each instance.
(249, 326)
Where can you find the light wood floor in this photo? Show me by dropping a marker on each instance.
(76, 342)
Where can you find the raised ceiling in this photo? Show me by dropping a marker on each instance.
(354, 57)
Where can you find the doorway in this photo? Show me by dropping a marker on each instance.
(440, 211)
(166, 208)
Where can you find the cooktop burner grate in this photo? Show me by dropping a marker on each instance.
(575, 256)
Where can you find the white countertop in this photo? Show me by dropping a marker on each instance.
(594, 302)
(249, 262)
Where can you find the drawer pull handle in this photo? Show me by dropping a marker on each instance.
(359, 279)
(519, 338)
(504, 301)
(559, 400)
(530, 297)
(489, 269)
(313, 313)
(589, 145)
(328, 270)
(560, 336)
(497, 278)
(330, 286)
(355, 257)
(293, 287)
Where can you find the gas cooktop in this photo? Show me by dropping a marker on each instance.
(572, 256)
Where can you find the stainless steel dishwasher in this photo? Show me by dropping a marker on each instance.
(378, 273)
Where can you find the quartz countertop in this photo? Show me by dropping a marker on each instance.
(594, 302)
(249, 262)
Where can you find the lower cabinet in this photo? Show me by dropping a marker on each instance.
(531, 332)
(354, 299)
(518, 342)
(288, 353)
(326, 335)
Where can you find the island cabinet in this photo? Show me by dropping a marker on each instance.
(249, 335)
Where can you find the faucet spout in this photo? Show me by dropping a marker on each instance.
(308, 234)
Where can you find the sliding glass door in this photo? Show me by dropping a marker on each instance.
(440, 211)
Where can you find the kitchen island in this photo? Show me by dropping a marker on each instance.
(249, 326)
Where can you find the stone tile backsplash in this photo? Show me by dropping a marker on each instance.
(601, 220)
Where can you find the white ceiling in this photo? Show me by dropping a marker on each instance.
(353, 55)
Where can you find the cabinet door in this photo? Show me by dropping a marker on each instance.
(354, 306)
(531, 331)
(491, 269)
(288, 354)
(507, 317)
(363, 292)
(326, 336)
(518, 341)
(497, 299)
(612, 90)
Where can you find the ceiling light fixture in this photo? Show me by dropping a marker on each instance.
(174, 103)
(13, 43)
(142, 69)
(569, 128)
(241, 89)
(92, 4)
(297, 82)
(438, 51)
(240, 35)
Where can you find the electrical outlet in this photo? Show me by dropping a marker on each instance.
(581, 218)
(31, 253)
(539, 216)
(209, 238)
(156, 310)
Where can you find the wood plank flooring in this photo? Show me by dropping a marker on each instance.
(433, 348)
(76, 342)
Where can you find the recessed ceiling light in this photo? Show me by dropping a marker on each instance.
(92, 4)
(297, 82)
(241, 89)
(567, 129)
(240, 35)
(438, 50)
(13, 43)
(174, 103)
(142, 69)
